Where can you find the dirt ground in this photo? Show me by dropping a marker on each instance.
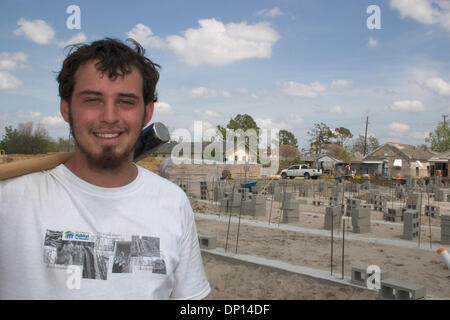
(229, 281)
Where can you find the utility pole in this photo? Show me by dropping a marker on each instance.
(365, 136)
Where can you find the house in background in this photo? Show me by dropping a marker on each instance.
(403, 159)
(328, 164)
(440, 161)
(218, 151)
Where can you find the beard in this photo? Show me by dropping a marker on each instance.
(108, 159)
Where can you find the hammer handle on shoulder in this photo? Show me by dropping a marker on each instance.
(19, 168)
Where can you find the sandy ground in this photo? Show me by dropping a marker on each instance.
(232, 281)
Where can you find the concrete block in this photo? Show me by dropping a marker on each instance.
(392, 289)
(362, 229)
(290, 216)
(360, 275)
(208, 242)
(360, 212)
(361, 222)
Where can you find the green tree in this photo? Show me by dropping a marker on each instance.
(287, 138)
(28, 139)
(358, 144)
(241, 121)
(342, 135)
(439, 140)
(320, 136)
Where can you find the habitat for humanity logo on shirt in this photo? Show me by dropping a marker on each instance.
(80, 236)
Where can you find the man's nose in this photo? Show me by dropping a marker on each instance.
(109, 112)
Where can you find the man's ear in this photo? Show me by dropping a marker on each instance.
(149, 108)
(64, 108)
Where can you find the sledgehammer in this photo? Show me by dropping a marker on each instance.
(150, 139)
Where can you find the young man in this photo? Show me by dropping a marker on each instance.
(99, 226)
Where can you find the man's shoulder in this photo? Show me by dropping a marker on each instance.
(164, 185)
(23, 184)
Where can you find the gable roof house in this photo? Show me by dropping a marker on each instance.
(218, 151)
(403, 159)
(440, 161)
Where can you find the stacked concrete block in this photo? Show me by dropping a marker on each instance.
(333, 201)
(352, 187)
(445, 229)
(352, 203)
(291, 211)
(413, 201)
(379, 203)
(432, 211)
(366, 186)
(332, 213)
(307, 190)
(231, 202)
(393, 215)
(411, 224)
(259, 205)
(439, 195)
(245, 193)
(322, 187)
(361, 220)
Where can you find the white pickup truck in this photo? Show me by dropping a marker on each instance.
(299, 170)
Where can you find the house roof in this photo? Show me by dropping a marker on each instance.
(411, 152)
(441, 157)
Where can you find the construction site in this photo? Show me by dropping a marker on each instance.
(269, 238)
(272, 238)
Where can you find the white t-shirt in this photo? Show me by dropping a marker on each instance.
(64, 238)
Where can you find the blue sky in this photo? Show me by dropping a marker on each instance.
(289, 64)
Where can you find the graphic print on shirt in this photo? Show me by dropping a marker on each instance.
(101, 254)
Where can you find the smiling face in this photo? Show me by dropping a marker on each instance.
(106, 116)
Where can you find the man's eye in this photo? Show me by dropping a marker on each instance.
(127, 102)
(92, 100)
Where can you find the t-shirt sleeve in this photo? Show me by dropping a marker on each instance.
(190, 277)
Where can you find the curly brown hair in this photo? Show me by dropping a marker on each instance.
(114, 58)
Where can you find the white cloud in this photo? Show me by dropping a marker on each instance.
(439, 86)
(13, 61)
(144, 35)
(8, 81)
(302, 90)
(372, 42)
(206, 114)
(78, 38)
(54, 121)
(340, 83)
(274, 12)
(336, 110)
(202, 92)
(420, 135)
(290, 122)
(220, 44)
(37, 30)
(242, 90)
(28, 115)
(425, 11)
(398, 127)
(163, 108)
(408, 106)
